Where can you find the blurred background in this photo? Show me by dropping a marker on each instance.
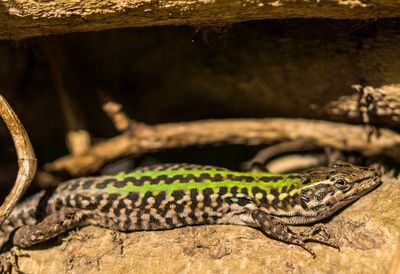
(269, 68)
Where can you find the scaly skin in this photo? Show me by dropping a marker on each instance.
(176, 195)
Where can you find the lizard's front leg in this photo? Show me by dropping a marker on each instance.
(29, 235)
(273, 228)
(50, 227)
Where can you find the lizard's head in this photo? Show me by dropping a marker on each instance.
(326, 190)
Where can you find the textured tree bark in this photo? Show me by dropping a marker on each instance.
(25, 18)
(233, 131)
(26, 159)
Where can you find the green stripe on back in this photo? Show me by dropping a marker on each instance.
(283, 180)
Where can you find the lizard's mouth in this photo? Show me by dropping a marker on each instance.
(365, 187)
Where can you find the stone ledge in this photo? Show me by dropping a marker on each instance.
(24, 18)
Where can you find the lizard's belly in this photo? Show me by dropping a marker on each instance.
(149, 210)
(154, 218)
(143, 212)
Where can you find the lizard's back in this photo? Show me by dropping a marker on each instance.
(153, 197)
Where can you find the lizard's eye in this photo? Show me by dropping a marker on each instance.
(342, 184)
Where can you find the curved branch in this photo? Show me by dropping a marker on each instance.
(232, 131)
(26, 158)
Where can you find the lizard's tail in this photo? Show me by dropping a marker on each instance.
(27, 212)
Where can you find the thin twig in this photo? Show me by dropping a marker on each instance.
(26, 159)
(117, 116)
(232, 131)
(267, 154)
(296, 162)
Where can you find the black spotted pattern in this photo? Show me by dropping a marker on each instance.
(207, 192)
(193, 198)
(88, 183)
(110, 200)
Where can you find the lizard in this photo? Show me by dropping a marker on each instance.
(167, 196)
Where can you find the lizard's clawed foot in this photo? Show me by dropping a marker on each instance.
(277, 230)
(9, 261)
(318, 233)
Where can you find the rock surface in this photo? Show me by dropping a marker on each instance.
(367, 232)
(26, 18)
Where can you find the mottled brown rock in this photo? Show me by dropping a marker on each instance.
(367, 232)
(25, 18)
(383, 102)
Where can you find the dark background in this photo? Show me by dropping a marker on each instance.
(270, 68)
